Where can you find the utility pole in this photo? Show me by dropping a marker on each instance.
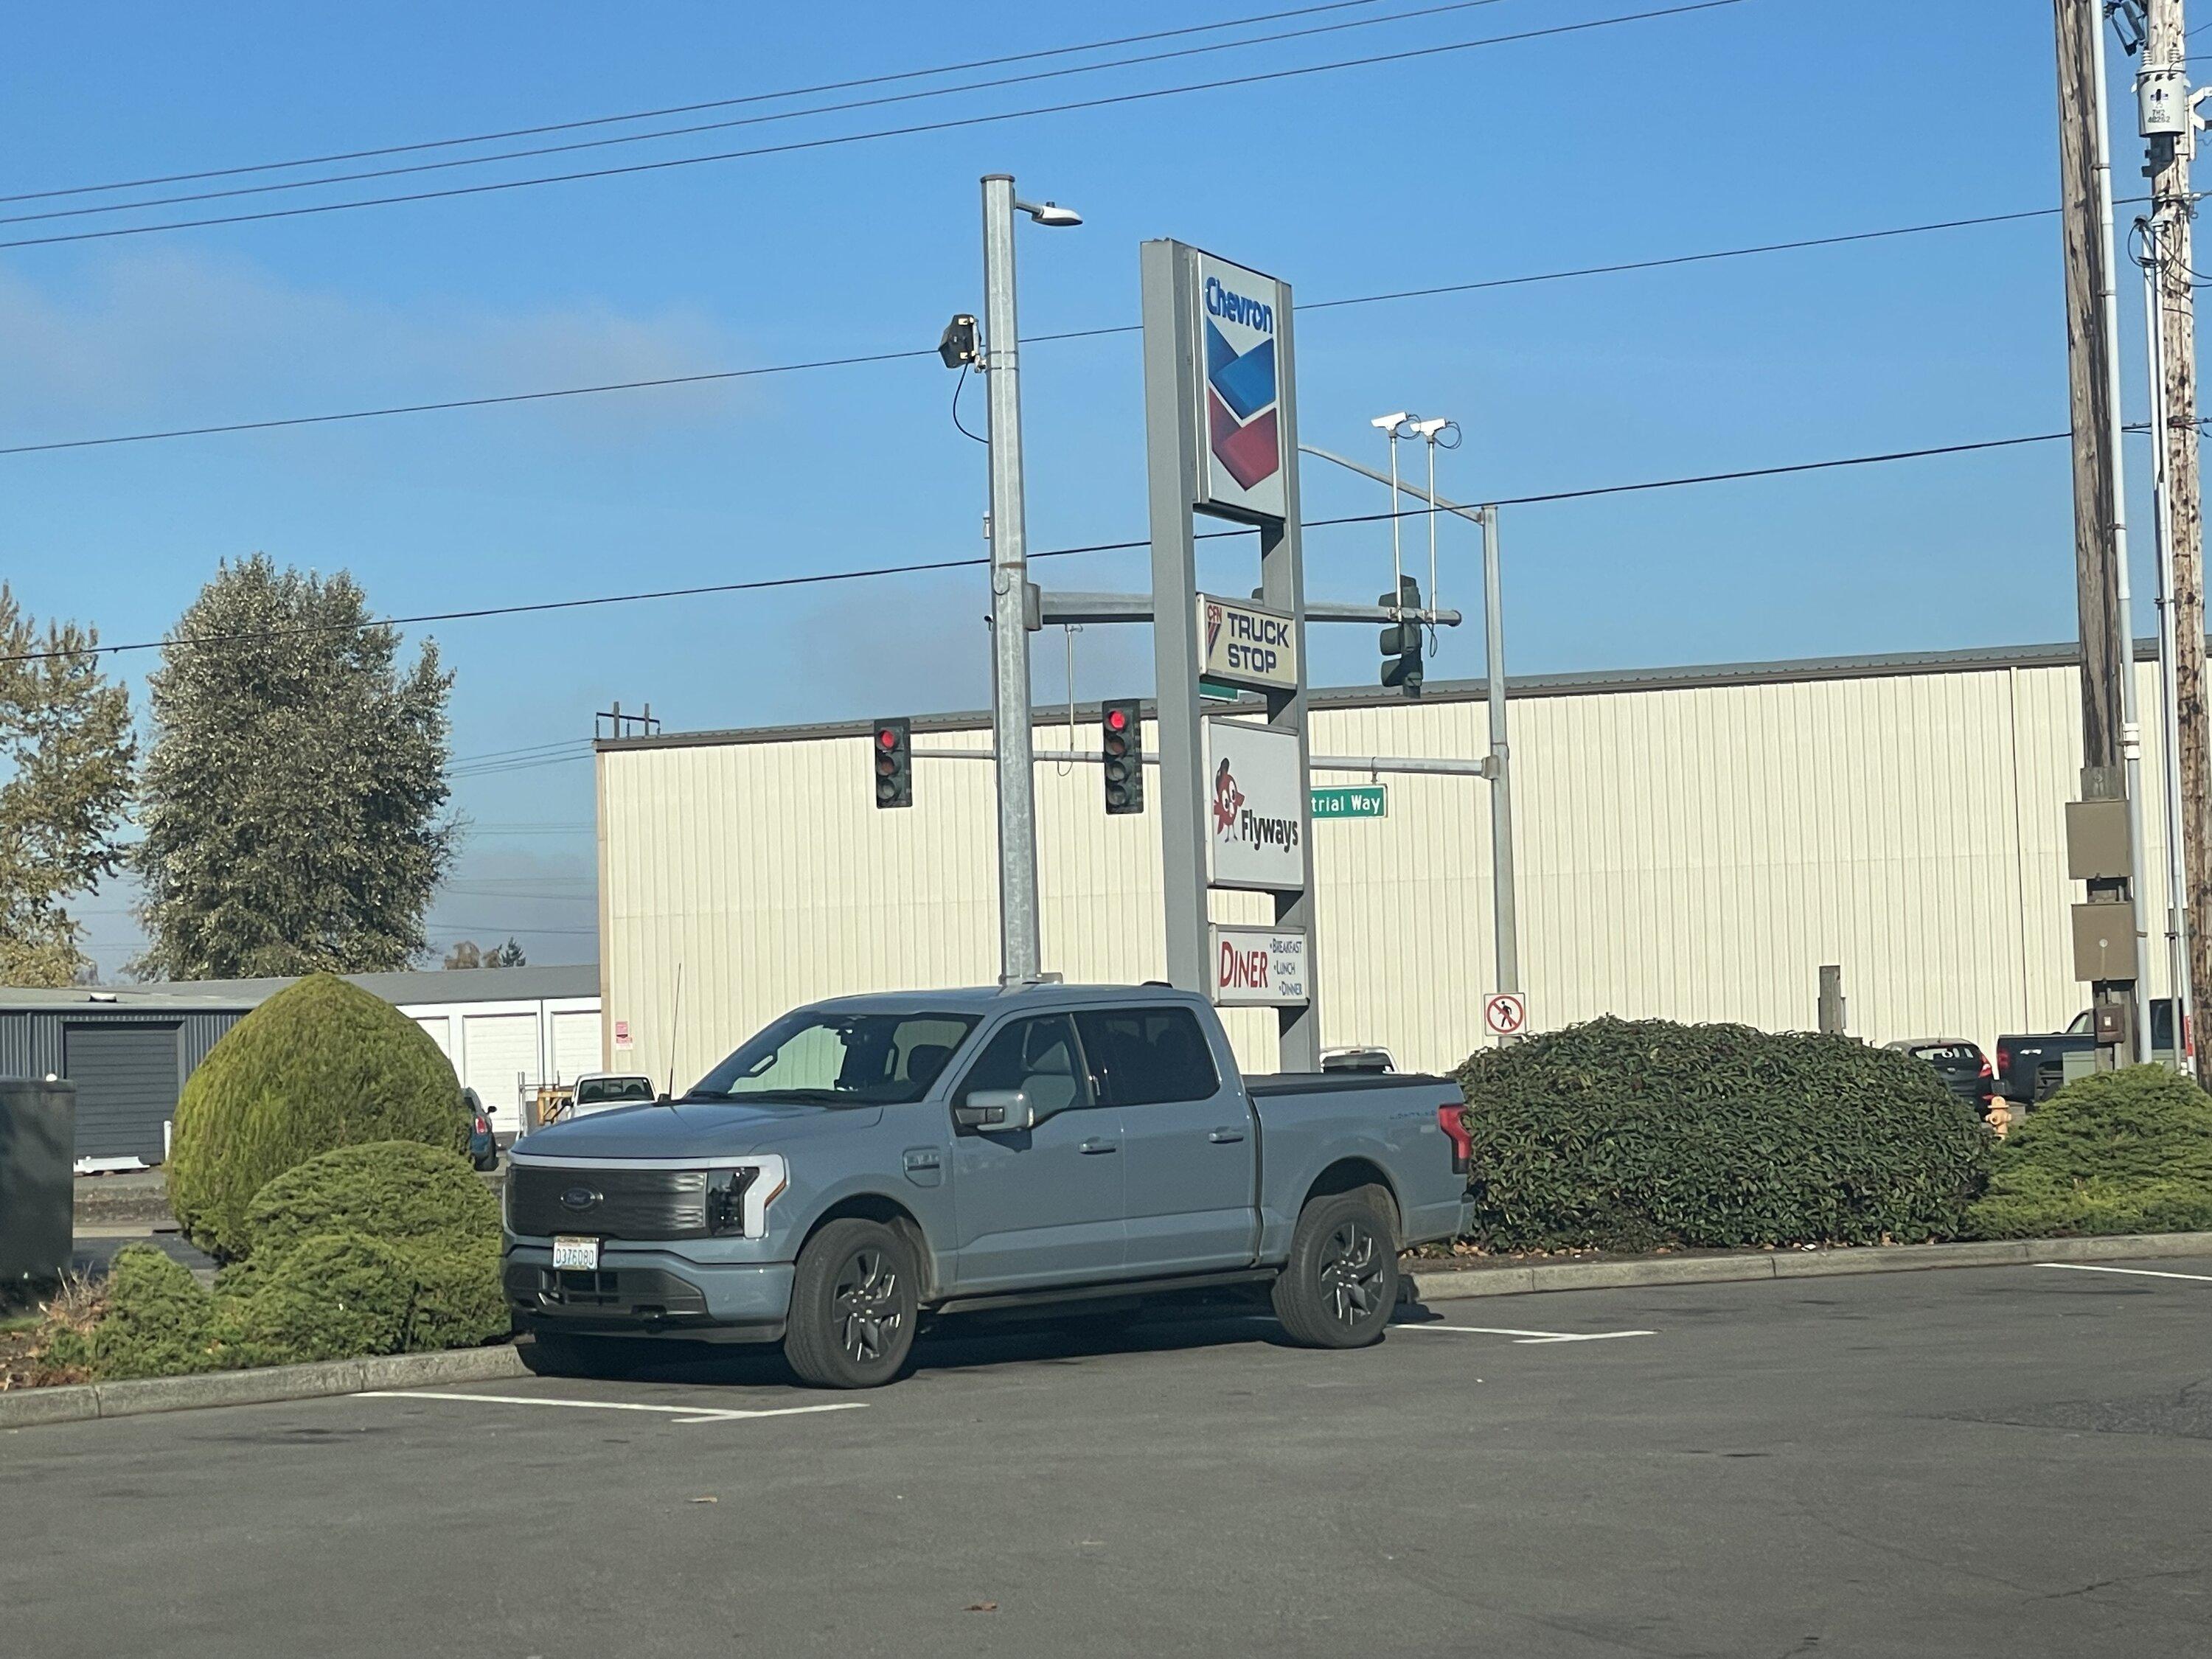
(2167, 113)
(2110, 743)
(1021, 953)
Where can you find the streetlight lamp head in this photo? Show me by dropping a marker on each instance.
(1051, 213)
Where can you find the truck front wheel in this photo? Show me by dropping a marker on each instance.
(853, 1302)
(1341, 1281)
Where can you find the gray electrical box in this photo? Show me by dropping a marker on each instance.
(2104, 939)
(2097, 844)
(38, 1169)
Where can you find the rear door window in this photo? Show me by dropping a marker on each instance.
(1143, 1056)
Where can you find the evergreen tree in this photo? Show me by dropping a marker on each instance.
(469, 954)
(66, 751)
(292, 799)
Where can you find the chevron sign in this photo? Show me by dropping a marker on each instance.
(1243, 471)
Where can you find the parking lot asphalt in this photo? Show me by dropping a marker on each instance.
(2009, 1461)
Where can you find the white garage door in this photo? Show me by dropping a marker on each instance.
(498, 1062)
(575, 1044)
(440, 1028)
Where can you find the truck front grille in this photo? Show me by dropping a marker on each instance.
(607, 1203)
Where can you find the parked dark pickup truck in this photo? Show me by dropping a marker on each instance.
(865, 1165)
(2033, 1067)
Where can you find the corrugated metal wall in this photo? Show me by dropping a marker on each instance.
(1694, 852)
(30, 1040)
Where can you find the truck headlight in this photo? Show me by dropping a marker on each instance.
(738, 1194)
(726, 1198)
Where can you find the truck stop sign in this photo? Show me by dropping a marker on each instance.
(1244, 644)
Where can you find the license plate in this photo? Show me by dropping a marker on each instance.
(576, 1253)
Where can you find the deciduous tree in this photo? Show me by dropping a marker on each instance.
(294, 798)
(66, 752)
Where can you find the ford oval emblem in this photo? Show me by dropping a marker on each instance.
(579, 1198)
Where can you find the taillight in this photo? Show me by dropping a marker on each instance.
(1452, 1119)
(2004, 1058)
(484, 1124)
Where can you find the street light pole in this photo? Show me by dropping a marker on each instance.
(1021, 954)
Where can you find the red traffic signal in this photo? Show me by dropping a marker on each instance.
(1123, 749)
(894, 763)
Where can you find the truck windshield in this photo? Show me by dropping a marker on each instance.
(841, 1059)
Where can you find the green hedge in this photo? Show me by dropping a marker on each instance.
(392, 1248)
(1633, 1135)
(2120, 1152)
(322, 1064)
(388, 1190)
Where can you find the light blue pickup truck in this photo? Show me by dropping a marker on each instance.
(865, 1165)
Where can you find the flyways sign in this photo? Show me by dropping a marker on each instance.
(1255, 809)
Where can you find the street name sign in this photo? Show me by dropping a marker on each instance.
(1243, 644)
(1258, 967)
(1360, 801)
(1255, 829)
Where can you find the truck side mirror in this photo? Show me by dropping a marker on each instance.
(996, 1111)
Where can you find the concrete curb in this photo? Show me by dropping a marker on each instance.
(1518, 1278)
(22, 1408)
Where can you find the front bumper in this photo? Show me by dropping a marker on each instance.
(643, 1291)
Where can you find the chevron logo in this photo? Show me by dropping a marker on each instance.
(1241, 422)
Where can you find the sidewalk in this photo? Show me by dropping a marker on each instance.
(1445, 1283)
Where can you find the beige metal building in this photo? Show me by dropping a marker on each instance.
(1692, 842)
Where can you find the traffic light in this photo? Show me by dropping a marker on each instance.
(1401, 640)
(1121, 729)
(893, 761)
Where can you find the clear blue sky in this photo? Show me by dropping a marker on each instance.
(1763, 121)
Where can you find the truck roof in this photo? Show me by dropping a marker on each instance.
(989, 999)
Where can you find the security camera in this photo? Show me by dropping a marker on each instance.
(956, 345)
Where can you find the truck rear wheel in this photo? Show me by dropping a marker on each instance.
(853, 1303)
(1341, 1281)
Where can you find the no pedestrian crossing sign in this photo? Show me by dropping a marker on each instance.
(1362, 801)
(1504, 1013)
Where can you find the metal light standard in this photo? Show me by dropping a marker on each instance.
(1020, 951)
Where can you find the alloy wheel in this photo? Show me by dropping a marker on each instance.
(867, 1302)
(1352, 1272)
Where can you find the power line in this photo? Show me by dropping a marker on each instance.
(683, 109)
(767, 583)
(1448, 6)
(838, 140)
(708, 376)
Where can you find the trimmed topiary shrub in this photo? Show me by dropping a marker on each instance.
(2119, 1152)
(383, 1248)
(336, 1296)
(320, 1065)
(387, 1189)
(458, 1302)
(159, 1321)
(1637, 1134)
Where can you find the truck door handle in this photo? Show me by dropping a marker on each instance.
(1224, 1137)
(1097, 1145)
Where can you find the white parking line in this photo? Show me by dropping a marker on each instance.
(1527, 1338)
(2140, 1273)
(681, 1413)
